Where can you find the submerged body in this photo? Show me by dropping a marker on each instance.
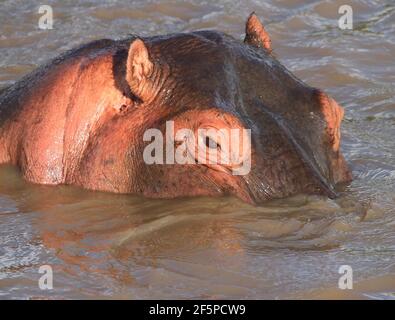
(81, 119)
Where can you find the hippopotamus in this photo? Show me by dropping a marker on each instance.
(81, 118)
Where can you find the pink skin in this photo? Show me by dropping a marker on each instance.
(81, 119)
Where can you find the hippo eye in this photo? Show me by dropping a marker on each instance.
(210, 143)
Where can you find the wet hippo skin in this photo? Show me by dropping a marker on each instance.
(81, 118)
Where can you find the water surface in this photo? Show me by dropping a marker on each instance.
(115, 246)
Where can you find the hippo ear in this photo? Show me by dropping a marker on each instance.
(138, 68)
(256, 34)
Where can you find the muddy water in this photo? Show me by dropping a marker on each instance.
(111, 246)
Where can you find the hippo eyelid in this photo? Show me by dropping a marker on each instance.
(210, 143)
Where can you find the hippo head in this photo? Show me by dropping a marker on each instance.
(209, 80)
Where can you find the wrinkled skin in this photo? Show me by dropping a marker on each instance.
(80, 119)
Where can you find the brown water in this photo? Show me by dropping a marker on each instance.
(111, 246)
